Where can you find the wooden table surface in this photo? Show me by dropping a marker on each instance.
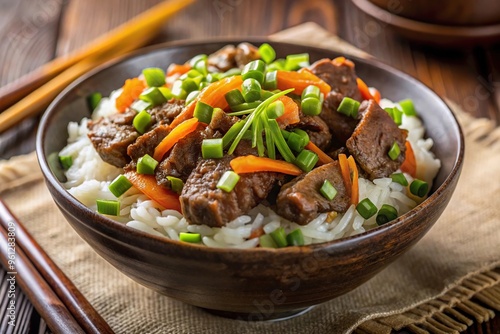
(34, 31)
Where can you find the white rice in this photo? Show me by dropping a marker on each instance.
(89, 178)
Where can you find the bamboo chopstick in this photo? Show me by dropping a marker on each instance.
(125, 38)
(49, 283)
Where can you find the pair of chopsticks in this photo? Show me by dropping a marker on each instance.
(35, 90)
(51, 292)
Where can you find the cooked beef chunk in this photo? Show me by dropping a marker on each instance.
(334, 154)
(221, 121)
(203, 203)
(165, 113)
(300, 200)
(373, 138)
(223, 59)
(245, 53)
(341, 78)
(146, 143)
(317, 130)
(340, 125)
(111, 136)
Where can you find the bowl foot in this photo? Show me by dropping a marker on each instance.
(260, 316)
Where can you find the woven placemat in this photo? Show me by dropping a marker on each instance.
(449, 278)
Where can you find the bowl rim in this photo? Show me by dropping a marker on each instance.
(153, 241)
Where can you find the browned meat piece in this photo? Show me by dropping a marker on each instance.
(223, 59)
(165, 113)
(341, 78)
(317, 130)
(221, 121)
(111, 137)
(373, 138)
(203, 203)
(334, 154)
(340, 125)
(245, 53)
(300, 200)
(146, 143)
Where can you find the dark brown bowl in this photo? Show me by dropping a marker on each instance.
(254, 284)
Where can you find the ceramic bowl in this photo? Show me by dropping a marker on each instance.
(255, 284)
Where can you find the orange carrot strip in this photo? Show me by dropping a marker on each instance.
(346, 174)
(177, 133)
(323, 157)
(342, 61)
(257, 233)
(178, 69)
(213, 94)
(410, 163)
(355, 181)
(291, 114)
(363, 89)
(375, 93)
(252, 164)
(299, 81)
(131, 91)
(148, 186)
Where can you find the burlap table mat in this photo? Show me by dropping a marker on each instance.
(450, 277)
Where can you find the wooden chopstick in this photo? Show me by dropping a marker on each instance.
(127, 37)
(52, 293)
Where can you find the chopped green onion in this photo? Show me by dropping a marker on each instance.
(234, 97)
(270, 145)
(142, 121)
(279, 237)
(197, 58)
(141, 105)
(229, 73)
(295, 238)
(267, 53)
(267, 241)
(167, 93)
(397, 116)
(190, 84)
(108, 207)
(311, 91)
(193, 74)
(119, 185)
(419, 188)
(56, 167)
(285, 134)
(251, 90)
(66, 161)
(275, 109)
(394, 151)
(193, 238)
(155, 77)
(271, 81)
(366, 208)
(311, 106)
(228, 181)
(177, 91)
(212, 77)
(192, 96)
(244, 107)
(254, 70)
(176, 184)
(408, 107)
(296, 61)
(232, 133)
(265, 94)
(211, 148)
(93, 100)
(349, 107)
(278, 64)
(297, 142)
(153, 95)
(399, 178)
(306, 160)
(280, 142)
(386, 214)
(203, 112)
(146, 165)
(328, 190)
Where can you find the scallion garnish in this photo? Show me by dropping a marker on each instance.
(141, 105)
(203, 112)
(327, 190)
(176, 184)
(108, 207)
(366, 208)
(419, 188)
(267, 241)
(228, 181)
(279, 141)
(167, 93)
(250, 90)
(142, 121)
(386, 214)
(296, 141)
(349, 107)
(295, 238)
(244, 108)
(306, 160)
(279, 237)
(275, 109)
(146, 165)
(66, 161)
(193, 238)
(394, 151)
(296, 61)
(267, 53)
(408, 107)
(311, 106)
(119, 185)
(311, 91)
(212, 148)
(234, 98)
(153, 95)
(271, 81)
(399, 178)
(93, 100)
(192, 96)
(254, 70)
(154, 76)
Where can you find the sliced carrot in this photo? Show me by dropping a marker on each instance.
(410, 163)
(355, 181)
(213, 94)
(346, 174)
(363, 89)
(148, 186)
(323, 157)
(131, 91)
(299, 81)
(291, 114)
(177, 133)
(342, 61)
(375, 93)
(252, 164)
(176, 69)
(256, 233)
